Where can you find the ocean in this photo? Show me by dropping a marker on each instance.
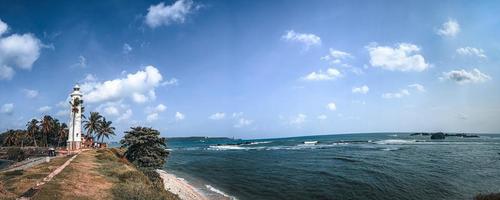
(348, 166)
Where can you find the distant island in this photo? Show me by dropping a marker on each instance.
(441, 135)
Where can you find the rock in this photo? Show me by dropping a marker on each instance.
(439, 136)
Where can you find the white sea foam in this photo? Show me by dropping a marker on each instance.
(227, 147)
(389, 149)
(263, 142)
(396, 142)
(213, 189)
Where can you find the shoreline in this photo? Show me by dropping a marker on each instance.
(188, 191)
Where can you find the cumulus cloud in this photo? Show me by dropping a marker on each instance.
(44, 109)
(322, 117)
(298, 120)
(330, 74)
(417, 87)
(139, 87)
(471, 51)
(125, 115)
(62, 113)
(463, 76)
(361, 90)
(90, 78)
(17, 50)
(179, 116)
(242, 122)
(30, 93)
(449, 28)
(331, 106)
(217, 116)
(336, 56)
(402, 57)
(396, 95)
(7, 108)
(307, 39)
(164, 15)
(152, 117)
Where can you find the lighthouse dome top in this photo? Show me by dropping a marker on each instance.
(76, 88)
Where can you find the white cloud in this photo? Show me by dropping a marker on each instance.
(139, 87)
(82, 62)
(3, 27)
(7, 108)
(126, 115)
(44, 109)
(331, 106)
(152, 117)
(160, 14)
(449, 28)
(402, 93)
(336, 56)
(111, 110)
(417, 87)
(62, 113)
(30, 93)
(90, 78)
(471, 51)
(463, 76)
(172, 81)
(217, 116)
(330, 74)
(127, 48)
(17, 50)
(403, 57)
(298, 120)
(160, 108)
(322, 117)
(307, 39)
(6, 72)
(242, 122)
(361, 90)
(179, 116)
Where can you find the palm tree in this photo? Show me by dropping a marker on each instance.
(32, 128)
(105, 130)
(92, 125)
(20, 136)
(11, 138)
(47, 127)
(62, 133)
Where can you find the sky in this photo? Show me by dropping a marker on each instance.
(255, 69)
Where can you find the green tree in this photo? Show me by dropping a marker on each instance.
(62, 134)
(32, 129)
(105, 129)
(47, 127)
(11, 138)
(93, 124)
(145, 148)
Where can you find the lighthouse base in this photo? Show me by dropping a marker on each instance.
(73, 145)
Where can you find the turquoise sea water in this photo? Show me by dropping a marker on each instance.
(354, 166)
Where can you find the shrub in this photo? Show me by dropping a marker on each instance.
(492, 196)
(16, 154)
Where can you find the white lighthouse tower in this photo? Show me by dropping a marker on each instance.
(75, 120)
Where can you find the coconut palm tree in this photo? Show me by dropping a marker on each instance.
(105, 130)
(11, 138)
(74, 110)
(62, 133)
(20, 136)
(92, 125)
(47, 127)
(32, 128)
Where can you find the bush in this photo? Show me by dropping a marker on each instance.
(16, 154)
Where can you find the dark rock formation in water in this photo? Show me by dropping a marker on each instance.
(438, 136)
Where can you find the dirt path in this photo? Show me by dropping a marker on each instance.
(79, 180)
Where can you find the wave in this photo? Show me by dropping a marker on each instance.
(227, 147)
(395, 141)
(263, 142)
(213, 189)
(390, 149)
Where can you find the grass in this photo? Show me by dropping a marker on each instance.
(15, 183)
(103, 174)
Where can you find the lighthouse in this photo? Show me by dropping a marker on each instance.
(75, 119)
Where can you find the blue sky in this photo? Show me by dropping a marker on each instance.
(253, 69)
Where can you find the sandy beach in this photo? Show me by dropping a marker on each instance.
(180, 187)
